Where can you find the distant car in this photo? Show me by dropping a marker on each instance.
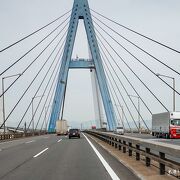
(119, 130)
(74, 133)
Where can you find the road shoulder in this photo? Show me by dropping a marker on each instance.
(138, 168)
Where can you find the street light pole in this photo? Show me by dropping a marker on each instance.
(139, 121)
(45, 117)
(3, 103)
(122, 116)
(32, 116)
(3, 106)
(33, 111)
(45, 120)
(174, 94)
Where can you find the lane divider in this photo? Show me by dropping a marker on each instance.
(59, 140)
(29, 142)
(40, 153)
(46, 137)
(10, 141)
(103, 161)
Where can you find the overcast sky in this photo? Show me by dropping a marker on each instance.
(158, 19)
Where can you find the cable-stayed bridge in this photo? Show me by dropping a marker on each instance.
(129, 82)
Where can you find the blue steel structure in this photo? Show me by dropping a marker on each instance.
(81, 11)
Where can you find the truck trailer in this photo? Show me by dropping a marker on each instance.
(61, 127)
(166, 125)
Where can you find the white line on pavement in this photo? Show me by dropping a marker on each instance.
(29, 142)
(8, 142)
(60, 140)
(103, 161)
(40, 152)
(46, 137)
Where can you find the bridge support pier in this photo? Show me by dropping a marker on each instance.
(81, 11)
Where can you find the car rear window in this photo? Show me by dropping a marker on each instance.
(73, 130)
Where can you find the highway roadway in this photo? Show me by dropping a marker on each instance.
(55, 157)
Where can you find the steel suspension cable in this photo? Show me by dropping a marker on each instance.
(54, 82)
(155, 41)
(55, 71)
(110, 89)
(126, 78)
(111, 75)
(133, 72)
(31, 81)
(119, 91)
(111, 92)
(158, 60)
(110, 81)
(123, 75)
(34, 60)
(49, 104)
(24, 55)
(124, 89)
(140, 62)
(123, 99)
(34, 32)
(41, 81)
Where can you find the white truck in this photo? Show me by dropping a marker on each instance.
(166, 125)
(61, 127)
(119, 130)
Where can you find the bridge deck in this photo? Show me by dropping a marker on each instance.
(65, 159)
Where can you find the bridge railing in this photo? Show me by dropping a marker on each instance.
(20, 135)
(166, 156)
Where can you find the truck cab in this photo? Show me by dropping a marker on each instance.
(175, 128)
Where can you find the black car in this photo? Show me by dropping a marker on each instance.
(74, 133)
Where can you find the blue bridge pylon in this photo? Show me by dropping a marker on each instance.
(81, 11)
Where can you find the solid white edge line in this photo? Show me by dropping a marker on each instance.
(40, 153)
(60, 140)
(103, 161)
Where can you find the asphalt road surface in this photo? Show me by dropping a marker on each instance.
(54, 157)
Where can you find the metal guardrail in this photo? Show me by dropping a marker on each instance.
(145, 148)
(19, 135)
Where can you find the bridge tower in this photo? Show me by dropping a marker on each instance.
(81, 11)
